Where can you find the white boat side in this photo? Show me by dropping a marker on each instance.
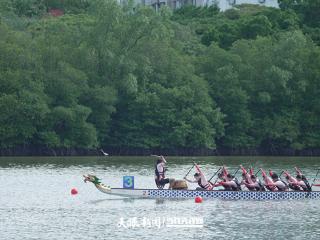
(185, 194)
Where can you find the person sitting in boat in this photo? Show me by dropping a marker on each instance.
(246, 183)
(256, 185)
(277, 184)
(230, 183)
(246, 179)
(201, 180)
(160, 169)
(292, 182)
(267, 181)
(304, 179)
(298, 183)
(303, 183)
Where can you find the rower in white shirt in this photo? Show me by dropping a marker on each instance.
(200, 179)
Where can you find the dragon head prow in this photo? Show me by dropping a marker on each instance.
(96, 181)
(91, 178)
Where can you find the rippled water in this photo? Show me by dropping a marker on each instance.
(35, 202)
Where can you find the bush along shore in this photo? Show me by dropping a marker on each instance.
(118, 151)
(80, 75)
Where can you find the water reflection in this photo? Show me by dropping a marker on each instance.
(123, 199)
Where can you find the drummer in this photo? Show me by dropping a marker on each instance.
(160, 169)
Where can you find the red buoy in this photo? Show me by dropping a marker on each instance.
(74, 191)
(198, 199)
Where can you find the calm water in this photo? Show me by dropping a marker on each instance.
(35, 202)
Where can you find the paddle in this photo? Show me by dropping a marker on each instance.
(298, 171)
(213, 184)
(281, 174)
(258, 172)
(236, 172)
(315, 178)
(190, 170)
(236, 180)
(218, 178)
(214, 174)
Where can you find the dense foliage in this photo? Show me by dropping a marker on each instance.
(108, 75)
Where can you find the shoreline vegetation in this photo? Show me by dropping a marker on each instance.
(43, 151)
(77, 75)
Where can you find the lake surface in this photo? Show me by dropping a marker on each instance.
(35, 201)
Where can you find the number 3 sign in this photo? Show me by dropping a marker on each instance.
(128, 182)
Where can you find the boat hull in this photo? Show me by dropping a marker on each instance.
(227, 195)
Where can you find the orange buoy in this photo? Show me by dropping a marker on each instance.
(74, 191)
(198, 199)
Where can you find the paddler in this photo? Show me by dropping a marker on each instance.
(229, 183)
(268, 181)
(251, 182)
(160, 169)
(278, 184)
(293, 183)
(246, 179)
(304, 179)
(256, 185)
(200, 179)
(302, 183)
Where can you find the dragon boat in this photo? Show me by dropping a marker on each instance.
(213, 194)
